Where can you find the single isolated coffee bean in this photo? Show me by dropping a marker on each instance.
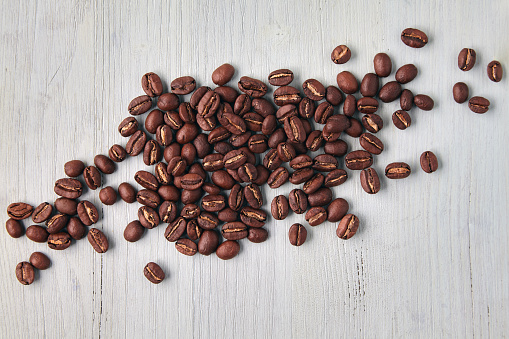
(280, 77)
(406, 73)
(14, 228)
(42, 212)
(460, 92)
(25, 273)
(466, 59)
(20, 210)
(151, 84)
(186, 247)
(117, 153)
(383, 65)
(154, 273)
(316, 215)
(39, 260)
(297, 234)
(108, 195)
(87, 213)
(127, 192)
(369, 180)
(92, 177)
(59, 241)
(140, 105)
(371, 143)
(414, 38)
(223, 74)
(257, 235)
(347, 227)
(337, 209)
(279, 207)
(429, 162)
(358, 160)
(228, 250)
(98, 240)
(495, 71)
(347, 82)
(298, 201)
(76, 229)
(479, 105)
(183, 85)
(74, 168)
(341, 54)
(424, 102)
(401, 119)
(104, 164)
(397, 170)
(37, 233)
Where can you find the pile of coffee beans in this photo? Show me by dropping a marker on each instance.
(212, 154)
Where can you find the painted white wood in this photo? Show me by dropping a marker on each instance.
(430, 258)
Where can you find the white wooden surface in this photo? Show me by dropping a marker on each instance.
(431, 258)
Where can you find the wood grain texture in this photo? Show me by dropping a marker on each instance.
(430, 258)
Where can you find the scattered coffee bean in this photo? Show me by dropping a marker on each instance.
(136, 143)
(333, 96)
(76, 229)
(257, 235)
(298, 201)
(406, 73)
(325, 163)
(183, 85)
(59, 241)
(208, 242)
(313, 89)
(371, 143)
(280, 77)
(14, 228)
(207, 221)
(152, 153)
(186, 247)
(98, 240)
(341, 54)
(66, 206)
(74, 168)
(222, 179)
(286, 95)
(370, 181)
(21, 210)
(369, 85)
(42, 212)
(277, 178)
(383, 65)
(347, 227)
(223, 74)
(460, 92)
(337, 209)
(316, 215)
(479, 105)
(335, 178)
(495, 71)
(372, 122)
(39, 260)
(401, 119)
(56, 223)
(117, 153)
(228, 250)
(154, 119)
(234, 230)
(154, 273)
(104, 164)
(279, 207)
(213, 203)
(390, 91)
(127, 192)
(37, 233)
(406, 100)
(87, 213)
(253, 217)
(424, 102)
(253, 195)
(321, 197)
(148, 217)
(414, 38)
(25, 273)
(149, 181)
(151, 84)
(140, 105)
(313, 184)
(429, 162)
(297, 234)
(347, 82)
(397, 170)
(92, 177)
(252, 87)
(358, 160)
(466, 59)
(127, 127)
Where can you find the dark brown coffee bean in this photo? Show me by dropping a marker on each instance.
(147, 180)
(202, 146)
(298, 201)
(253, 195)
(341, 54)
(278, 178)
(57, 223)
(429, 162)
(325, 163)
(336, 148)
(271, 160)
(297, 234)
(495, 71)
(242, 104)
(228, 250)
(234, 230)
(313, 184)
(269, 124)
(136, 143)
(253, 121)
(316, 215)
(397, 170)
(227, 215)
(25, 273)
(401, 119)
(104, 164)
(347, 82)
(253, 217)
(479, 105)
(466, 59)
(154, 273)
(369, 85)
(390, 91)
(286, 112)
(323, 112)
(59, 241)
(358, 160)
(197, 168)
(173, 122)
(176, 167)
(207, 221)
(154, 119)
(133, 231)
(285, 151)
(223, 74)
(367, 105)
(306, 109)
(263, 107)
(371, 143)
(235, 124)
(227, 94)
(348, 226)
(208, 242)
(350, 105)
(236, 197)
(186, 247)
(117, 153)
(40, 261)
(280, 77)
(321, 197)
(279, 207)
(193, 230)
(161, 174)
(301, 161)
(191, 181)
(300, 176)
(140, 105)
(234, 159)
(183, 85)
(337, 123)
(414, 38)
(372, 122)
(406, 100)
(406, 73)
(383, 65)
(92, 177)
(209, 104)
(257, 235)
(222, 179)
(337, 209)
(213, 162)
(197, 95)
(187, 113)
(151, 84)
(74, 168)
(424, 102)
(460, 92)
(335, 178)
(87, 213)
(333, 96)
(295, 130)
(253, 87)
(127, 192)
(67, 188)
(42, 212)
(76, 229)
(213, 203)
(126, 128)
(257, 143)
(369, 180)
(287, 95)
(148, 217)
(247, 172)
(37, 233)
(187, 133)
(14, 228)
(169, 193)
(240, 140)
(148, 198)
(313, 89)
(355, 130)
(330, 136)
(168, 102)
(168, 211)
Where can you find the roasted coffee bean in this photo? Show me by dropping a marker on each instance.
(306, 109)
(277, 178)
(336, 148)
(325, 163)
(347, 82)
(183, 85)
(213, 162)
(151, 84)
(295, 130)
(56, 223)
(466, 59)
(348, 226)
(176, 167)
(350, 105)
(406, 73)
(104, 164)
(253, 195)
(335, 178)
(495, 71)
(172, 120)
(460, 92)
(87, 213)
(14, 228)
(390, 91)
(186, 247)
(358, 160)
(213, 203)
(148, 217)
(253, 121)
(372, 122)
(341, 54)
(222, 179)
(202, 146)
(269, 124)
(187, 133)
(42, 212)
(208, 242)
(193, 230)
(167, 211)
(397, 170)
(280, 77)
(223, 74)
(187, 113)
(369, 180)
(168, 102)
(287, 95)
(424, 102)
(227, 93)
(369, 85)
(279, 207)
(161, 174)
(74, 168)
(234, 230)
(147, 180)
(330, 136)
(316, 215)
(236, 197)
(228, 250)
(414, 38)
(257, 143)
(313, 89)
(355, 130)
(117, 153)
(323, 112)
(277, 137)
(127, 127)
(253, 217)
(263, 107)
(227, 215)
(136, 143)
(321, 197)
(76, 229)
(257, 235)
(240, 140)
(92, 177)
(479, 105)
(154, 119)
(371, 143)
(169, 193)
(313, 184)
(298, 201)
(286, 112)
(233, 123)
(297, 234)
(197, 95)
(39, 260)
(127, 192)
(301, 175)
(401, 119)
(209, 104)
(247, 172)
(191, 181)
(333, 96)
(383, 65)
(406, 100)
(133, 231)
(37, 233)
(140, 105)
(301, 161)
(148, 198)
(429, 162)
(67, 188)
(25, 273)
(242, 105)
(285, 151)
(271, 160)
(253, 87)
(59, 241)
(337, 209)
(337, 123)
(207, 221)
(154, 273)
(234, 159)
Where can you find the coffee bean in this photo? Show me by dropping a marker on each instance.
(479, 105)
(87, 213)
(187, 133)
(369, 85)
(347, 82)
(370, 181)
(253, 121)
(335, 178)
(297, 234)
(316, 215)
(39, 260)
(280, 77)
(269, 125)
(42, 212)
(320, 197)
(286, 95)
(337, 209)
(148, 217)
(325, 163)
(295, 130)
(207, 221)
(397, 170)
(336, 148)
(25, 273)
(148, 198)
(136, 143)
(341, 54)
(279, 207)
(228, 250)
(285, 151)
(140, 105)
(242, 105)
(74, 168)
(406, 100)
(127, 192)
(213, 203)
(271, 160)
(126, 128)
(117, 153)
(253, 195)
(151, 84)
(104, 164)
(67, 188)
(495, 71)
(401, 119)
(253, 87)
(350, 105)
(355, 130)
(234, 159)
(424, 102)
(390, 91)
(208, 242)
(298, 201)
(236, 197)
(263, 107)
(218, 134)
(247, 172)
(208, 104)
(253, 217)
(414, 38)
(313, 89)
(313, 184)
(186, 247)
(301, 161)
(234, 231)
(56, 223)
(167, 211)
(154, 273)
(168, 102)
(372, 122)
(358, 160)
(466, 59)
(223, 74)
(154, 119)
(227, 93)
(183, 85)
(460, 92)
(14, 228)
(148, 180)
(306, 108)
(301, 175)
(76, 229)
(278, 178)
(37, 233)
(429, 162)
(240, 140)
(371, 143)
(191, 181)
(92, 177)
(406, 73)
(222, 179)
(233, 123)
(59, 241)
(187, 113)
(383, 65)
(227, 215)
(258, 142)
(193, 230)
(172, 121)
(257, 235)
(347, 227)
(367, 105)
